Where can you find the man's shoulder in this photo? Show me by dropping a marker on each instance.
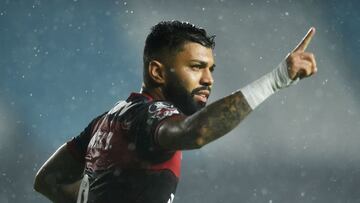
(137, 101)
(123, 106)
(162, 109)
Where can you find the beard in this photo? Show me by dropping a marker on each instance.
(176, 93)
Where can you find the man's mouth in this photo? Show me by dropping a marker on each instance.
(202, 96)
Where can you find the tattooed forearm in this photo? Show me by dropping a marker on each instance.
(206, 125)
(218, 118)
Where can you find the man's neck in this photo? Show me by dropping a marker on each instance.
(155, 93)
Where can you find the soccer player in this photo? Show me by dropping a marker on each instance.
(132, 153)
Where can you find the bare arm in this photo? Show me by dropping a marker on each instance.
(59, 178)
(206, 125)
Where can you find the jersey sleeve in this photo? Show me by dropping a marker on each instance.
(78, 145)
(149, 120)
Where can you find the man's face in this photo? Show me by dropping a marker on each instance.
(189, 77)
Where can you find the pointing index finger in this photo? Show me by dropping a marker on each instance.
(305, 41)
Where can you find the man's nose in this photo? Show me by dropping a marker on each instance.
(207, 78)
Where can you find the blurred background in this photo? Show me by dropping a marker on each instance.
(64, 62)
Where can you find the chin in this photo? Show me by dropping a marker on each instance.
(193, 108)
(199, 104)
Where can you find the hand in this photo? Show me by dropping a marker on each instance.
(300, 63)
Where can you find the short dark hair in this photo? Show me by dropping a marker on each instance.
(167, 38)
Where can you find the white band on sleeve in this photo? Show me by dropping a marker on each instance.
(256, 92)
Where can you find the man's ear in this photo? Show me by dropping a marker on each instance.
(157, 71)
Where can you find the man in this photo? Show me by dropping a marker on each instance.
(132, 153)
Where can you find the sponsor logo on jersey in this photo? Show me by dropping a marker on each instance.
(160, 110)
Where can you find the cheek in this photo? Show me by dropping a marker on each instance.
(190, 80)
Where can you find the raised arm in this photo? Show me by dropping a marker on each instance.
(59, 178)
(222, 116)
(206, 125)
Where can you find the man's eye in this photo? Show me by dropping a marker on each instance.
(196, 67)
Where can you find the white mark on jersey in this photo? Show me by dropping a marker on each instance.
(171, 199)
(101, 140)
(161, 110)
(83, 190)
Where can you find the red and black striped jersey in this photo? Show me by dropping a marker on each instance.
(123, 160)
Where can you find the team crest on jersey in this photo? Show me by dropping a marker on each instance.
(160, 110)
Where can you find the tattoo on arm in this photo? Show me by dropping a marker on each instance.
(208, 124)
(219, 118)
